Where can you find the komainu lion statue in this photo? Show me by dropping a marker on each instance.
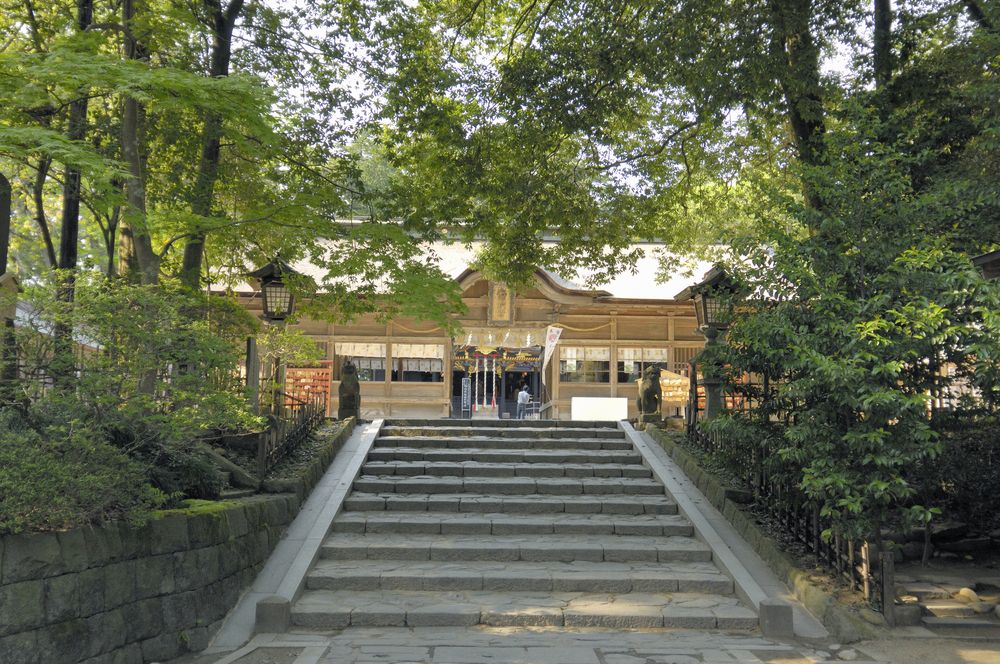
(650, 395)
(349, 404)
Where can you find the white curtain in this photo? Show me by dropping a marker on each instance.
(585, 353)
(354, 349)
(418, 351)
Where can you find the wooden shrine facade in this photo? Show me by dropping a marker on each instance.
(412, 368)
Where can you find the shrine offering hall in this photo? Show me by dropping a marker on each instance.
(411, 368)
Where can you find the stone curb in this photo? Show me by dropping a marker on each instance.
(844, 624)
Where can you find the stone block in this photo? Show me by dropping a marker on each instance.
(135, 542)
(18, 648)
(154, 576)
(130, 654)
(274, 615)
(22, 606)
(194, 569)
(776, 619)
(211, 605)
(107, 632)
(145, 619)
(73, 548)
(91, 591)
(31, 556)
(63, 642)
(206, 530)
(464, 615)
(62, 598)
(180, 611)
(162, 647)
(254, 510)
(275, 512)
(237, 519)
(119, 587)
(169, 534)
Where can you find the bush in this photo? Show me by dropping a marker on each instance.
(964, 481)
(154, 370)
(57, 478)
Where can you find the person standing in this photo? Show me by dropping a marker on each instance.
(523, 397)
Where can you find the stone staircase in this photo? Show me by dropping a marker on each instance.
(503, 523)
(952, 605)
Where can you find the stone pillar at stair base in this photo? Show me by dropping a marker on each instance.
(274, 615)
(776, 618)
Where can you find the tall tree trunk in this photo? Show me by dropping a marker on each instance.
(141, 262)
(977, 14)
(69, 238)
(882, 51)
(38, 195)
(223, 21)
(799, 77)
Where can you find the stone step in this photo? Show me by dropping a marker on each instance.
(326, 609)
(502, 432)
(504, 456)
(979, 626)
(507, 485)
(525, 444)
(562, 548)
(523, 504)
(471, 523)
(943, 608)
(577, 576)
(484, 469)
(498, 423)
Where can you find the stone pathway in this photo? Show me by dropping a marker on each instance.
(513, 524)
(532, 646)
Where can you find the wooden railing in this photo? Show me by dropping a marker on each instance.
(289, 427)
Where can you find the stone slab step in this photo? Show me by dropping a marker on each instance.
(943, 608)
(481, 469)
(577, 576)
(471, 523)
(504, 456)
(530, 548)
(507, 485)
(523, 504)
(506, 424)
(980, 626)
(325, 609)
(503, 432)
(465, 442)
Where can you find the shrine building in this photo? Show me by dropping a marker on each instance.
(412, 368)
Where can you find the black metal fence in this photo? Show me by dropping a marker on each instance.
(290, 425)
(858, 563)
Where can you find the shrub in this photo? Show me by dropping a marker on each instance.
(60, 477)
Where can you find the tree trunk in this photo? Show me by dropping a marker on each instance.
(63, 364)
(139, 260)
(38, 194)
(223, 21)
(799, 78)
(882, 51)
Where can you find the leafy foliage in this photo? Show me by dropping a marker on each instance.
(57, 476)
(156, 372)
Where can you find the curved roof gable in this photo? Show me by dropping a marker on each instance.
(550, 286)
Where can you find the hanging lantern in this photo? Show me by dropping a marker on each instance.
(279, 303)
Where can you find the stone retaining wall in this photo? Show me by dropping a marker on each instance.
(119, 594)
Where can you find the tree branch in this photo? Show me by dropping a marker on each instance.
(651, 153)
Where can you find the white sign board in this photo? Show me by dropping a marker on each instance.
(601, 409)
